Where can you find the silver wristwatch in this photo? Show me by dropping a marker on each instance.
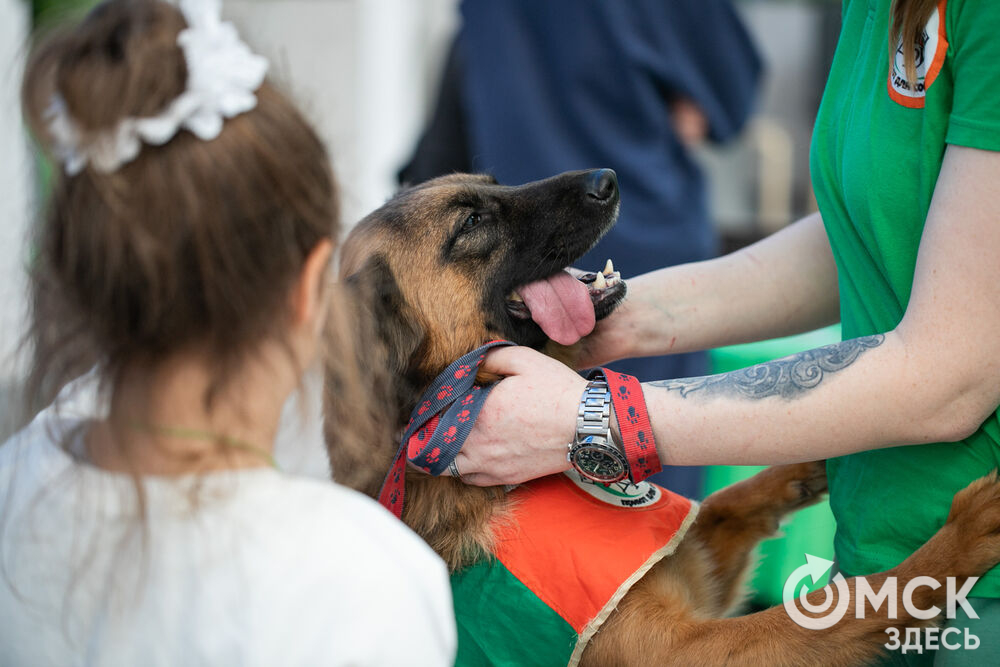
(593, 452)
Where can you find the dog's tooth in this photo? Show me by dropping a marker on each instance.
(609, 268)
(514, 296)
(600, 282)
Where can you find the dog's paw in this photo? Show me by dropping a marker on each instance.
(766, 498)
(974, 524)
(969, 542)
(811, 483)
(800, 484)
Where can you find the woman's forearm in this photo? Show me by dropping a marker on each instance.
(859, 394)
(783, 285)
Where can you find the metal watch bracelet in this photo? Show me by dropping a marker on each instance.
(594, 415)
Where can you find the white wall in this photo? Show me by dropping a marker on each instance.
(364, 72)
(16, 185)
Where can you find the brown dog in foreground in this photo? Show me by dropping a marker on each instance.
(436, 271)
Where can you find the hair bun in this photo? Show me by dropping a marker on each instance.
(122, 60)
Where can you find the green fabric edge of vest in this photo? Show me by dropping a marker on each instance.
(492, 608)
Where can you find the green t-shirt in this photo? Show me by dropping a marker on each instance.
(876, 154)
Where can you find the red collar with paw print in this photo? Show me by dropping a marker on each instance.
(439, 424)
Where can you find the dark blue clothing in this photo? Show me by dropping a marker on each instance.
(555, 85)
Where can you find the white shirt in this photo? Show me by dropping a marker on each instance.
(261, 568)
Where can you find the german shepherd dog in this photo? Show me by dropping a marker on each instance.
(437, 271)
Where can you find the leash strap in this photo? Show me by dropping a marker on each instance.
(439, 424)
(633, 422)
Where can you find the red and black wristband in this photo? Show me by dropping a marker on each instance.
(633, 423)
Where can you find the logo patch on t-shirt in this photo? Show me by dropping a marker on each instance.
(929, 55)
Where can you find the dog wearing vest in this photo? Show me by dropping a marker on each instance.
(559, 570)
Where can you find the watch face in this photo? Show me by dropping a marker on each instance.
(599, 463)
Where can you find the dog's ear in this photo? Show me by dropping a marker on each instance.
(393, 321)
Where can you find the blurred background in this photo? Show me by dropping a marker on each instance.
(368, 74)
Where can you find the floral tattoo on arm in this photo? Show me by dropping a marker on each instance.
(788, 378)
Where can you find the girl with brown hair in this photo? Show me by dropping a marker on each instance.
(184, 259)
(904, 251)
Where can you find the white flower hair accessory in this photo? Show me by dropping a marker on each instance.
(223, 75)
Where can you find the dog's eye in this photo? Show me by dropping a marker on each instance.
(470, 222)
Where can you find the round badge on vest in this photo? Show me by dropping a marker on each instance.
(622, 494)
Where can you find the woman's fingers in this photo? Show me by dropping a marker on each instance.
(467, 472)
(526, 421)
(514, 360)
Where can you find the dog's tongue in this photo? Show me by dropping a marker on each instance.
(561, 306)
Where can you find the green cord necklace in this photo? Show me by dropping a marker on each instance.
(197, 434)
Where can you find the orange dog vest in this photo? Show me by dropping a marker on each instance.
(570, 554)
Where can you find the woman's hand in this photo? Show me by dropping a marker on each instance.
(527, 421)
(615, 336)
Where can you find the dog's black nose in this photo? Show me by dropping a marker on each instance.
(603, 184)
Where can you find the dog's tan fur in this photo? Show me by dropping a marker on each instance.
(677, 613)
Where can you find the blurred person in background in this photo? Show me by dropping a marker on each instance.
(532, 89)
(184, 257)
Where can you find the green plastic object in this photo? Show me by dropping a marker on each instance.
(808, 531)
